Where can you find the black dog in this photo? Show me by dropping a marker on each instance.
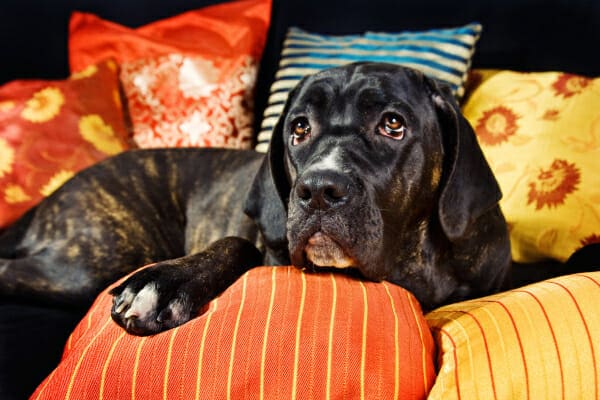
(371, 167)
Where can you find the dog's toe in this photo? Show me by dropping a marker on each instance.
(123, 301)
(151, 303)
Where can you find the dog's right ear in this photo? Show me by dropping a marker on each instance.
(267, 199)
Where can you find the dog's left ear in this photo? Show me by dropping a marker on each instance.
(267, 199)
(469, 188)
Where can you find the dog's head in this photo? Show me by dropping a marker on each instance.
(365, 161)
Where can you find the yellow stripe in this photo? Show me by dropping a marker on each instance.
(78, 365)
(266, 335)
(168, 366)
(136, 366)
(70, 342)
(396, 344)
(235, 333)
(46, 383)
(298, 329)
(423, 351)
(202, 345)
(363, 349)
(107, 362)
(330, 341)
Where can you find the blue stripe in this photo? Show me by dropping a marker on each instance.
(283, 90)
(350, 42)
(415, 49)
(389, 59)
(296, 77)
(268, 127)
(442, 36)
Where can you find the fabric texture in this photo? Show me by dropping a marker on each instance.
(536, 342)
(540, 133)
(49, 130)
(444, 54)
(276, 333)
(189, 80)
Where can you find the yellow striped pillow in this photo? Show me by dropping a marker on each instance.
(538, 342)
(276, 333)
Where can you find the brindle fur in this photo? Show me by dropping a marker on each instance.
(421, 212)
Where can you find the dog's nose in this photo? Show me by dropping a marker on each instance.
(323, 189)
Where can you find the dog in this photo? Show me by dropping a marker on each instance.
(371, 168)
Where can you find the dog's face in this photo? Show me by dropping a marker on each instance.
(365, 161)
(363, 164)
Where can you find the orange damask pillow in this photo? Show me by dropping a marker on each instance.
(541, 134)
(276, 333)
(188, 79)
(51, 129)
(537, 342)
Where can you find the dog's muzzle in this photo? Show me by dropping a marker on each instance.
(321, 192)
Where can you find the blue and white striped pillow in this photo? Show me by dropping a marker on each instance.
(444, 54)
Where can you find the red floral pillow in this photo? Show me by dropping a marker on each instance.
(277, 333)
(51, 129)
(188, 79)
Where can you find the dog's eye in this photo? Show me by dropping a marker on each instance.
(300, 130)
(393, 126)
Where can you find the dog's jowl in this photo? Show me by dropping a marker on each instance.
(371, 168)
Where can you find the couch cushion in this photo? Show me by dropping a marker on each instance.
(51, 129)
(541, 135)
(536, 342)
(277, 332)
(442, 53)
(189, 79)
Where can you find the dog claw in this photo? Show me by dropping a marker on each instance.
(119, 305)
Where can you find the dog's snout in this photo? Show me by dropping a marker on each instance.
(323, 189)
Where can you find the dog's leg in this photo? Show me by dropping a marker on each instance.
(169, 293)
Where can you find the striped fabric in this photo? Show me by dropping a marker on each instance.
(538, 342)
(444, 54)
(277, 333)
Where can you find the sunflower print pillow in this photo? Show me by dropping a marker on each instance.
(540, 132)
(49, 130)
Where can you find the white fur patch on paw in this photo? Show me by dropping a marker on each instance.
(144, 302)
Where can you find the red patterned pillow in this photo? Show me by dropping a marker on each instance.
(188, 79)
(51, 129)
(276, 333)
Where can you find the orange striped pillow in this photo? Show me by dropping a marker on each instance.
(276, 333)
(538, 342)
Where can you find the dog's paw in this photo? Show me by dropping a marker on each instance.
(172, 292)
(154, 300)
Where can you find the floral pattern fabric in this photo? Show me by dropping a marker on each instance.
(541, 135)
(51, 130)
(188, 79)
(183, 101)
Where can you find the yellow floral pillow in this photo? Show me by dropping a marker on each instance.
(541, 135)
(51, 129)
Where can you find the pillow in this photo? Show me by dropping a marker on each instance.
(540, 133)
(51, 129)
(536, 342)
(276, 332)
(441, 53)
(188, 79)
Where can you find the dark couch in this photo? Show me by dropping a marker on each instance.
(524, 35)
